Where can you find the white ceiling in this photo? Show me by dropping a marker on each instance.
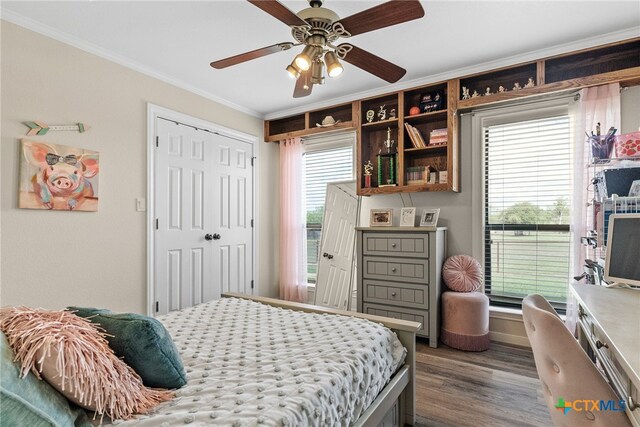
(176, 41)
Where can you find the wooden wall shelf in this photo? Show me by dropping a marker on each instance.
(412, 163)
(306, 124)
(615, 62)
(381, 124)
(622, 77)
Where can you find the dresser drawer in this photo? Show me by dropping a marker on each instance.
(396, 269)
(394, 244)
(403, 294)
(400, 313)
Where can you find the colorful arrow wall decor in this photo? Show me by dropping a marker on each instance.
(39, 128)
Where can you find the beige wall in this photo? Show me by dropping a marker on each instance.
(54, 258)
(630, 110)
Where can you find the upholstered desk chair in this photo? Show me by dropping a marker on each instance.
(565, 370)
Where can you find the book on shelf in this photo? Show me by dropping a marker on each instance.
(415, 136)
(411, 136)
(422, 142)
(439, 137)
(436, 142)
(416, 175)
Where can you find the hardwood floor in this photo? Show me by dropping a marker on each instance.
(497, 387)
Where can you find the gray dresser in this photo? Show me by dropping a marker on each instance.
(399, 274)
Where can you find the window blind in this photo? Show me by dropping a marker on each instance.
(528, 170)
(321, 168)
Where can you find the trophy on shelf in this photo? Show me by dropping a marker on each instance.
(382, 113)
(368, 168)
(389, 142)
(387, 164)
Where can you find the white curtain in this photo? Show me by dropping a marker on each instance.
(293, 262)
(599, 104)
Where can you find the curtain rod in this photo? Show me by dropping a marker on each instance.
(575, 95)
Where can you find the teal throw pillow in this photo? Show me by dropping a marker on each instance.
(143, 343)
(32, 402)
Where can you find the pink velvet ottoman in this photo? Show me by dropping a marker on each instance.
(465, 320)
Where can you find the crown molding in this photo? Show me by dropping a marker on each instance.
(61, 36)
(464, 71)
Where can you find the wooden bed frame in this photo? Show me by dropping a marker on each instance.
(396, 402)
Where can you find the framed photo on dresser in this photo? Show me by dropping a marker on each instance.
(408, 217)
(381, 218)
(429, 218)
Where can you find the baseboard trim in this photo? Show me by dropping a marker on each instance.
(502, 338)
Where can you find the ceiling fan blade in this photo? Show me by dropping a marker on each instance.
(303, 81)
(371, 63)
(279, 11)
(248, 56)
(384, 15)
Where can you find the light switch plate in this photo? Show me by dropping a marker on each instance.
(141, 204)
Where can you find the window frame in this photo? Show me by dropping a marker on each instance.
(491, 116)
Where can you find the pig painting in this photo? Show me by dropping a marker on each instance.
(58, 177)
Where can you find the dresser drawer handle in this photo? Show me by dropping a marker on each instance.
(393, 270)
(393, 294)
(600, 344)
(393, 245)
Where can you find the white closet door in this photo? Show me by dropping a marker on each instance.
(233, 219)
(335, 267)
(184, 211)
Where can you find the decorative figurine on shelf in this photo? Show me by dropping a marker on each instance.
(382, 113)
(488, 92)
(475, 94)
(392, 113)
(368, 168)
(530, 82)
(501, 89)
(414, 110)
(516, 86)
(370, 115)
(389, 142)
(465, 93)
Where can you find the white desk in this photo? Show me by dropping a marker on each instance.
(610, 326)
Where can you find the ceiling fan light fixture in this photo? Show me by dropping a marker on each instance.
(316, 72)
(334, 67)
(293, 71)
(304, 60)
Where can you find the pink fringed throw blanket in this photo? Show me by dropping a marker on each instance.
(74, 357)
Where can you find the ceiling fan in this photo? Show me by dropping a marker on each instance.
(318, 29)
